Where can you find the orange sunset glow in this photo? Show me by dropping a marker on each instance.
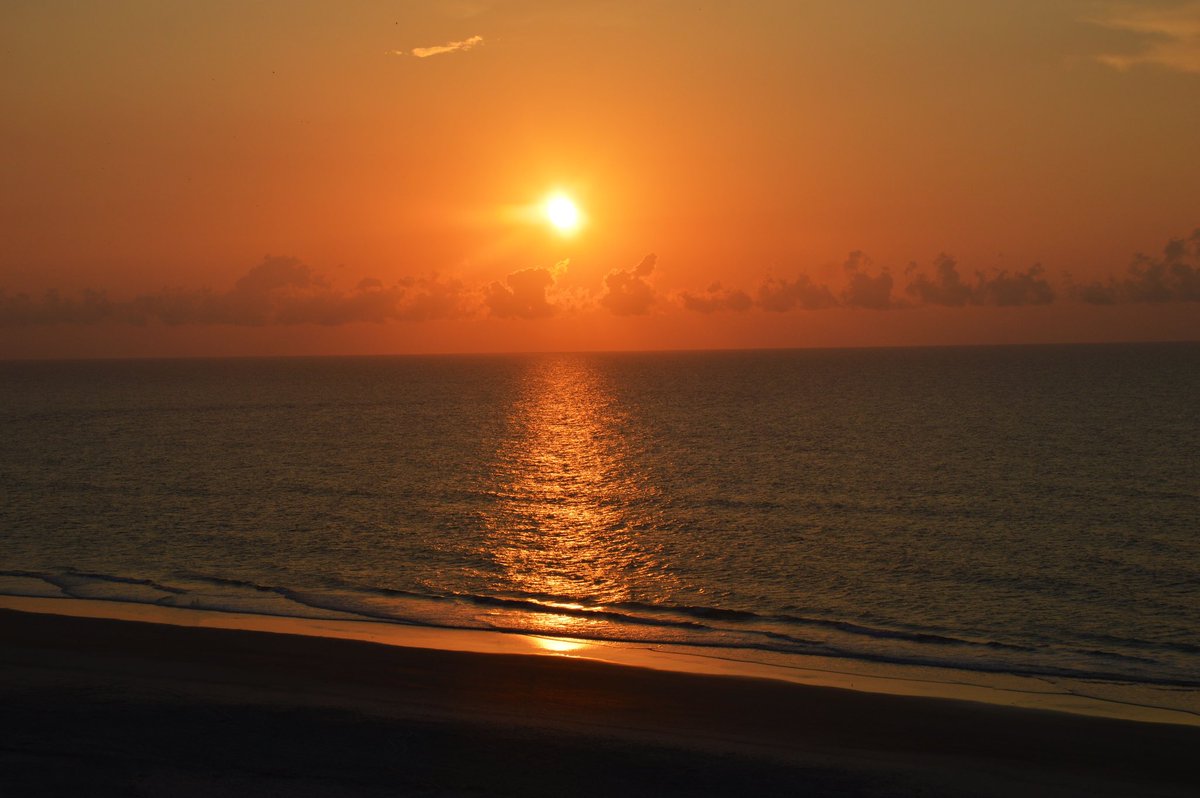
(599, 398)
(295, 178)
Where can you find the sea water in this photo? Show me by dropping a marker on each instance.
(1010, 510)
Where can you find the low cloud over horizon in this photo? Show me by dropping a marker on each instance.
(286, 291)
(280, 290)
(627, 293)
(523, 294)
(1173, 276)
(871, 289)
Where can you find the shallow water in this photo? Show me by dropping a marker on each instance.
(1029, 510)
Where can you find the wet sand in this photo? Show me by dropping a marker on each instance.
(113, 707)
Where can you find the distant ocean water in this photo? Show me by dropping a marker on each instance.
(1025, 510)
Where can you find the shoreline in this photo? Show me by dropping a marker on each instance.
(132, 707)
(1003, 690)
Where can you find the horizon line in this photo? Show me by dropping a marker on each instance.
(560, 352)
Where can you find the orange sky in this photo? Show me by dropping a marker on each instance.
(310, 177)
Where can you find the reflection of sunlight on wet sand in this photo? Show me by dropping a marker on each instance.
(556, 646)
(561, 529)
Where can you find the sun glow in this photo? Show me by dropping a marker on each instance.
(562, 214)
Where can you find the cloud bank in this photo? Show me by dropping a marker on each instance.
(945, 287)
(870, 289)
(1174, 276)
(285, 291)
(779, 296)
(280, 290)
(716, 298)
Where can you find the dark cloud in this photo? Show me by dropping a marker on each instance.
(283, 290)
(279, 290)
(944, 288)
(1172, 277)
(864, 290)
(716, 298)
(90, 307)
(782, 295)
(431, 299)
(1002, 289)
(1019, 288)
(523, 296)
(626, 291)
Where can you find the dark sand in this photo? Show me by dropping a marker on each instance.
(108, 707)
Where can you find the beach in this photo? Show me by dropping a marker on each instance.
(100, 706)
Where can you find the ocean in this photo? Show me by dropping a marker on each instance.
(990, 510)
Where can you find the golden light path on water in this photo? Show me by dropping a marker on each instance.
(563, 531)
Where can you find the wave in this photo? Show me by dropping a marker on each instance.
(227, 582)
(65, 581)
(126, 580)
(638, 622)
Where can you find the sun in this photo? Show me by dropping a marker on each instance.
(562, 214)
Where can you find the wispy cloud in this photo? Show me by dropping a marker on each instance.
(440, 49)
(1164, 34)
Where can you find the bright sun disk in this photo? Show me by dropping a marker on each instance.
(562, 213)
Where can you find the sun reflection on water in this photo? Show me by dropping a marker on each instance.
(560, 532)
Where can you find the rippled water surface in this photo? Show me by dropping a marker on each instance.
(1026, 510)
